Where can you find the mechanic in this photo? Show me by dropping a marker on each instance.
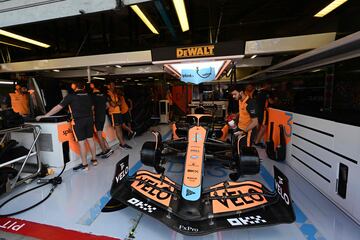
(81, 109)
(100, 105)
(169, 97)
(263, 99)
(125, 115)
(115, 113)
(247, 118)
(20, 100)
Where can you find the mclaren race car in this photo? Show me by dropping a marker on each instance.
(190, 208)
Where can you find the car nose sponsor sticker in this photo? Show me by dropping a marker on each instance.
(251, 191)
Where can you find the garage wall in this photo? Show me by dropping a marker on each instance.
(316, 150)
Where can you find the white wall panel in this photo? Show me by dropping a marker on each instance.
(324, 170)
(314, 136)
(333, 143)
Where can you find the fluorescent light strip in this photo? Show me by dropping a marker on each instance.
(142, 16)
(24, 39)
(181, 13)
(14, 45)
(171, 69)
(7, 83)
(100, 78)
(226, 64)
(333, 5)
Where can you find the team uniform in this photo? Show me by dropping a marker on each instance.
(247, 111)
(99, 101)
(20, 103)
(124, 109)
(262, 100)
(115, 112)
(80, 106)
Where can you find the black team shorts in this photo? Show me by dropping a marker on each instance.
(83, 128)
(126, 117)
(116, 119)
(99, 123)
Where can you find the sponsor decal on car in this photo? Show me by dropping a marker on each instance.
(123, 173)
(245, 221)
(188, 228)
(141, 205)
(252, 189)
(279, 188)
(150, 185)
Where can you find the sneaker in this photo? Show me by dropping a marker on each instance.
(81, 167)
(125, 146)
(133, 135)
(94, 162)
(100, 154)
(260, 145)
(107, 153)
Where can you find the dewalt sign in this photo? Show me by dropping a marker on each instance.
(222, 49)
(201, 51)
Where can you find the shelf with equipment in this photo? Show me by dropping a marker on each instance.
(32, 152)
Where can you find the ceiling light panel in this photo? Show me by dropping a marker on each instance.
(23, 39)
(182, 15)
(329, 8)
(142, 16)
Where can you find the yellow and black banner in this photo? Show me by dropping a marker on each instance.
(198, 51)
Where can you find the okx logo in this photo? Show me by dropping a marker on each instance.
(141, 205)
(245, 221)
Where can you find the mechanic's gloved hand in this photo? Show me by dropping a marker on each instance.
(239, 133)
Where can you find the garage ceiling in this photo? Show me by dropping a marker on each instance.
(120, 30)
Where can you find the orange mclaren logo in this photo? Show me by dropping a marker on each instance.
(237, 204)
(148, 184)
(200, 51)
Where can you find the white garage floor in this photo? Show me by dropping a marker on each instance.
(76, 205)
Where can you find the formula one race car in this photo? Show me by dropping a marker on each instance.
(213, 125)
(190, 208)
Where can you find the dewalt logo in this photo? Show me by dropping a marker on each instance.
(201, 51)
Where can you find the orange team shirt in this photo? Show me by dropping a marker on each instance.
(20, 103)
(124, 107)
(113, 98)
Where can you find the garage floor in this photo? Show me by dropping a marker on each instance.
(74, 209)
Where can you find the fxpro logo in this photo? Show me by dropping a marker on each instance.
(141, 205)
(245, 221)
(279, 187)
(188, 228)
(123, 172)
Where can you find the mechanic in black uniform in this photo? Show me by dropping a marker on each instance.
(81, 108)
(100, 105)
(263, 100)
